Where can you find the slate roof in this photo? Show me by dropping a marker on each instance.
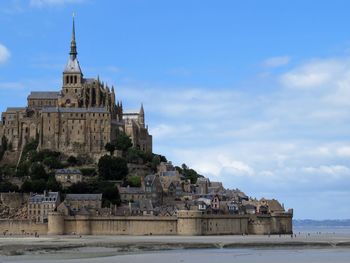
(72, 66)
(75, 110)
(44, 95)
(39, 198)
(15, 109)
(68, 171)
(84, 197)
(131, 190)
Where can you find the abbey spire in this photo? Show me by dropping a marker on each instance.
(73, 63)
(73, 45)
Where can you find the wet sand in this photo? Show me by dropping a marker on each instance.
(77, 247)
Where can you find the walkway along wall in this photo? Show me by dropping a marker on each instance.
(186, 223)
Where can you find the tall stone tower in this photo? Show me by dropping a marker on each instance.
(72, 74)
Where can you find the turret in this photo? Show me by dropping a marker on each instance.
(142, 116)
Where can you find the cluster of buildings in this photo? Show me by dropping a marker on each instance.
(161, 194)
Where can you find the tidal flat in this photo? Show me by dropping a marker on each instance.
(303, 246)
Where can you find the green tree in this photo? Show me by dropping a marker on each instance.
(7, 186)
(112, 168)
(72, 160)
(110, 148)
(155, 162)
(37, 171)
(26, 186)
(80, 188)
(53, 162)
(133, 155)
(53, 185)
(38, 186)
(23, 169)
(110, 193)
(123, 142)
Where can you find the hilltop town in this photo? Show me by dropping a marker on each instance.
(74, 161)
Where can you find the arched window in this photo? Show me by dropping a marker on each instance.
(71, 79)
(67, 79)
(75, 79)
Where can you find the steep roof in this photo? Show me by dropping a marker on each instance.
(84, 197)
(44, 95)
(75, 110)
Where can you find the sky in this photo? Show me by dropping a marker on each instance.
(252, 93)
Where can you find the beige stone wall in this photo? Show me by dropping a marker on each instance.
(18, 227)
(187, 223)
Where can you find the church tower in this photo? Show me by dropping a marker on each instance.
(72, 75)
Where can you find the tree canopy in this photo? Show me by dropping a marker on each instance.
(112, 168)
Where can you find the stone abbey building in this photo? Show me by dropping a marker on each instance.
(80, 118)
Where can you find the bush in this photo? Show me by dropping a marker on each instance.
(134, 181)
(72, 161)
(88, 171)
(112, 168)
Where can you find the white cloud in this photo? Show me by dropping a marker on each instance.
(275, 62)
(344, 151)
(333, 170)
(4, 54)
(316, 74)
(42, 3)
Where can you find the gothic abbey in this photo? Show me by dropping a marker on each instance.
(79, 119)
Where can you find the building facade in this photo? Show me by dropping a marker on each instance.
(39, 205)
(80, 118)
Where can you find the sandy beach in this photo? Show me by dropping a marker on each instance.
(173, 248)
(19, 245)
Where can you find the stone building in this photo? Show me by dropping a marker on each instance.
(80, 118)
(90, 202)
(67, 177)
(39, 205)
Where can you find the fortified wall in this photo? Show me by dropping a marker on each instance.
(185, 223)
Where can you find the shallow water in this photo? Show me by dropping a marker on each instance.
(200, 255)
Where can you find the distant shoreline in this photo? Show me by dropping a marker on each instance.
(18, 245)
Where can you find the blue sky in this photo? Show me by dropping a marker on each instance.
(251, 93)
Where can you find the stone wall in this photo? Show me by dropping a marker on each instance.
(19, 227)
(186, 223)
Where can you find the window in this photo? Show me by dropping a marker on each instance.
(75, 79)
(67, 80)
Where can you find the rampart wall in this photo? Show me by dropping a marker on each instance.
(185, 223)
(21, 227)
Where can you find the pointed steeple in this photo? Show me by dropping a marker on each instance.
(73, 64)
(142, 112)
(142, 116)
(73, 45)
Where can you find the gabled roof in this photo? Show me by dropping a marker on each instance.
(46, 197)
(82, 197)
(75, 110)
(44, 95)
